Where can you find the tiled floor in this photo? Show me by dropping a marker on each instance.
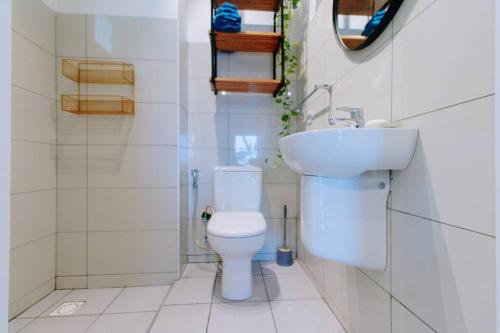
(284, 300)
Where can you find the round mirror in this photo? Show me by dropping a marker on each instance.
(359, 22)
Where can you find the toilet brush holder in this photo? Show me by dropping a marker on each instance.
(284, 256)
(284, 253)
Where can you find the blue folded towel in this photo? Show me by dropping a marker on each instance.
(374, 22)
(227, 18)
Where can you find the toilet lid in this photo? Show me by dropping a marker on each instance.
(237, 224)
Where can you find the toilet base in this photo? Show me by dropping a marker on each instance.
(237, 279)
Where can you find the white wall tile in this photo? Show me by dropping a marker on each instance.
(131, 37)
(132, 166)
(449, 281)
(71, 282)
(130, 252)
(275, 169)
(35, 21)
(408, 11)
(71, 129)
(250, 132)
(200, 64)
(208, 130)
(314, 266)
(32, 265)
(360, 304)
(254, 104)
(155, 82)
(33, 166)
(439, 184)
(274, 235)
(205, 160)
(274, 196)
(33, 117)
(131, 280)
(71, 254)
(34, 67)
(71, 210)
(152, 124)
(257, 66)
(70, 35)
(201, 98)
(132, 209)
(33, 216)
(425, 75)
(403, 321)
(373, 95)
(71, 166)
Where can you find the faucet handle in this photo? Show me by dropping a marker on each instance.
(355, 112)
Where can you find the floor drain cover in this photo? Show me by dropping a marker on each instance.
(67, 309)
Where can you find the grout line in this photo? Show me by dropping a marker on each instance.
(335, 315)
(444, 223)
(25, 325)
(48, 52)
(50, 99)
(47, 308)
(56, 162)
(102, 313)
(212, 298)
(160, 307)
(268, 299)
(31, 291)
(34, 191)
(413, 313)
(34, 240)
(446, 107)
(87, 162)
(34, 141)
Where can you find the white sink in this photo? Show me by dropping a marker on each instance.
(348, 152)
(345, 185)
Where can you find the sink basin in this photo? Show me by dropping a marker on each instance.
(348, 152)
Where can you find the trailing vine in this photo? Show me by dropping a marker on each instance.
(284, 96)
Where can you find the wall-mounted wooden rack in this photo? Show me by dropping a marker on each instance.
(262, 5)
(247, 41)
(360, 7)
(98, 72)
(261, 42)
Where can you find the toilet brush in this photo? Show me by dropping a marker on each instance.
(284, 252)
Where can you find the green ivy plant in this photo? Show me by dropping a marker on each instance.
(284, 96)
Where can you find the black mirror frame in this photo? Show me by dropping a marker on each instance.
(391, 12)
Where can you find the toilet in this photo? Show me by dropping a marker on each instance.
(237, 229)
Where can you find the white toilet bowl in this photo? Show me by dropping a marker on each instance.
(237, 237)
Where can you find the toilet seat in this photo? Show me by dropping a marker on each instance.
(237, 224)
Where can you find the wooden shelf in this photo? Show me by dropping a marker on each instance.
(353, 42)
(360, 7)
(243, 85)
(97, 105)
(99, 72)
(261, 5)
(247, 41)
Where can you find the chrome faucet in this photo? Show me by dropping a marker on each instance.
(357, 118)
